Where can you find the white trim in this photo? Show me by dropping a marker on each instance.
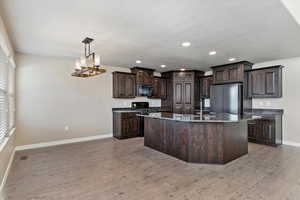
(295, 144)
(7, 171)
(60, 142)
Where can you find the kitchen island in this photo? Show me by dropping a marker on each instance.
(214, 139)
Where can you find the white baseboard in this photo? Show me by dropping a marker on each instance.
(61, 142)
(6, 172)
(295, 144)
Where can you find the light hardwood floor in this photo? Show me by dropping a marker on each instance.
(111, 169)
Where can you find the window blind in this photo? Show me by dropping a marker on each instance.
(4, 96)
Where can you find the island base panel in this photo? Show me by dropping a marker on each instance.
(214, 143)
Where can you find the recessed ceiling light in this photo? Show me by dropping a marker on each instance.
(162, 66)
(211, 53)
(138, 62)
(182, 69)
(186, 44)
(231, 59)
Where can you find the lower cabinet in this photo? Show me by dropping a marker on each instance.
(265, 131)
(126, 125)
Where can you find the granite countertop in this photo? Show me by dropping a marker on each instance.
(126, 111)
(129, 109)
(221, 118)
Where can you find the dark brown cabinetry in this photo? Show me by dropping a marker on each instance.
(123, 85)
(183, 94)
(230, 73)
(126, 125)
(205, 83)
(262, 131)
(267, 130)
(183, 91)
(144, 76)
(265, 82)
(159, 88)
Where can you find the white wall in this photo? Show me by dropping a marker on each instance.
(290, 100)
(293, 6)
(49, 98)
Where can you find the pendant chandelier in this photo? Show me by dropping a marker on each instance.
(89, 65)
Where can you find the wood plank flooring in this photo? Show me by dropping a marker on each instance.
(111, 169)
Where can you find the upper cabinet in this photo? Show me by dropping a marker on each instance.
(230, 73)
(123, 85)
(265, 82)
(205, 83)
(159, 88)
(141, 82)
(144, 76)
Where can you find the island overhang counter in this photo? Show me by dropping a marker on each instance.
(213, 139)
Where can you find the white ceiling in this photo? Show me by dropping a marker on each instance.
(152, 30)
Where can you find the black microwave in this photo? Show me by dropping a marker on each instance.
(144, 90)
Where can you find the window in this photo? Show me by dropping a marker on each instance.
(7, 96)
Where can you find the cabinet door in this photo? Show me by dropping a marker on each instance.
(163, 88)
(121, 85)
(252, 129)
(130, 125)
(257, 83)
(178, 95)
(273, 82)
(205, 84)
(188, 97)
(156, 88)
(233, 74)
(129, 86)
(267, 134)
(139, 77)
(220, 75)
(262, 131)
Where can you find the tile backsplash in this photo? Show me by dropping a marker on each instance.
(125, 103)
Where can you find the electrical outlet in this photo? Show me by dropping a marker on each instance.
(67, 128)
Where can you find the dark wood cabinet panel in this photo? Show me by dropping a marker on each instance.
(233, 73)
(183, 97)
(265, 82)
(187, 93)
(205, 83)
(167, 102)
(216, 143)
(257, 83)
(130, 85)
(178, 97)
(126, 125)
(178, 93)
(265, 131)
(163, 88)
(183, 91)
(123, 85)
(144, 76)
(220, 75)
(230, 73)
(159, 88)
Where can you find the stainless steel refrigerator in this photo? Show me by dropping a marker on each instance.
(227, 98)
